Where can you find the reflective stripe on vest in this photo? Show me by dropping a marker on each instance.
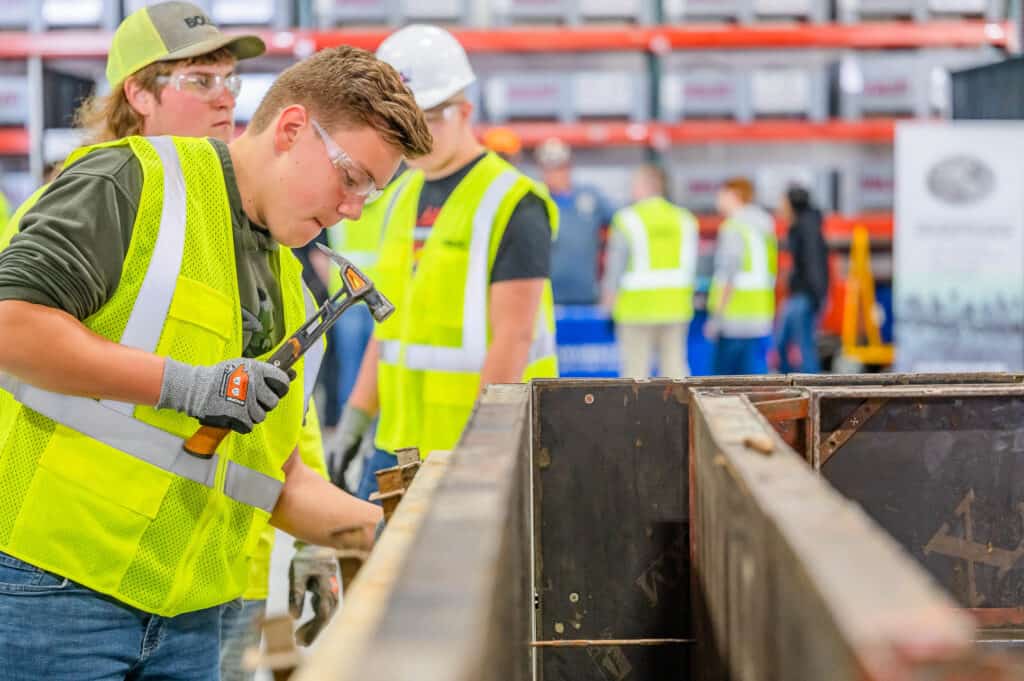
(314, 356)
(469, 357)
(389, 351)
(757, 277)
(641, 277)
(145, 442)
(145, 324)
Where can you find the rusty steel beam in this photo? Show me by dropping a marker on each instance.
(787, 595)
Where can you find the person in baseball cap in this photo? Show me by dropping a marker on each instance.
(171, 71)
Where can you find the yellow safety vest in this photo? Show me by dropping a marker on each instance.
(101, 492)
(657, 286)
(753, 294)
(433, 348)
(311, 449)
(360, 240)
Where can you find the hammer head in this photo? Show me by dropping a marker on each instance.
(358, 285)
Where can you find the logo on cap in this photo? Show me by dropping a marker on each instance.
(197, 20)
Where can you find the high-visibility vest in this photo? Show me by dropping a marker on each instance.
(360, 240)
(311, 447)
(657, 286)
(753, 289)
(433, 348)
(101, 492)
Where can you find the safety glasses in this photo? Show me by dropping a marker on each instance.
(207, 86)
(357, 181)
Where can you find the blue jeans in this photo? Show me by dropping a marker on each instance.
(796, 326)
(239, 630)
(53, 628)
(351, 333)
(379, 461)
(740, 356)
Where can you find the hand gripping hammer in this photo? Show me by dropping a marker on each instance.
(356, 287)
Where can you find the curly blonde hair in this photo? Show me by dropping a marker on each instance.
(109, 117)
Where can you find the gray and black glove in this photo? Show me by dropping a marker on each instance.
(235, 394)
(313, 569)
(344, 445)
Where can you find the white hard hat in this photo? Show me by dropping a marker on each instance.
(431, 62)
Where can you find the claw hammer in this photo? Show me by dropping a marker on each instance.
(356, 287)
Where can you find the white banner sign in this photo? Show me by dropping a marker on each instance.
(959, 247)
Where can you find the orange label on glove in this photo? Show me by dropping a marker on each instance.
(236, 385)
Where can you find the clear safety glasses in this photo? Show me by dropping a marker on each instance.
(207, 86)
(356, 180)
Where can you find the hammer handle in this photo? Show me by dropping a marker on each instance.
(204, 442)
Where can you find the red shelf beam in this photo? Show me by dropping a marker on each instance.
(836, 227)
(14, 142)
(94, 44)
(660, 135)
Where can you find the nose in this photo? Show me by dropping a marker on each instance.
(351, 207)
(224, 99)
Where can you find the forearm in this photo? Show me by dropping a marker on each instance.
(313, 510)
(364, 393)
(506, 359)
(50, 349)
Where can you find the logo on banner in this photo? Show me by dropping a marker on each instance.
(961, 179)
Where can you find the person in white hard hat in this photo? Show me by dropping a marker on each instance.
(465, 256)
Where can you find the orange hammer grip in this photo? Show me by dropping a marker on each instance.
(204, 442)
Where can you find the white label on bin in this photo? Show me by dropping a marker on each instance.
(15, 12)
(243, 11)
(961, 6)
(434, 9)
(599, 93)
(609, 8)
(782, 7)
(781, 91)
(13, 100)
(72, 12)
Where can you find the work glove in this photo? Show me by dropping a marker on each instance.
(344, 445)
(235, 394)
(313, 569)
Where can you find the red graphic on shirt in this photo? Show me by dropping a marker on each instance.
(424, 223)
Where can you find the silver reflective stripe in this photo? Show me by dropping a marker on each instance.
(314, 355)
(469, 357)
(251, 487)
(641, 275)
(135, 438)
(757, 278)
(388, 351)
(146, 322)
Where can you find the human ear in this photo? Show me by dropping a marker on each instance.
(142, 100)
(290, 122)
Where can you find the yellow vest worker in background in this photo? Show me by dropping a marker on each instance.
(741, 303)
(649, 274)
(124, 314)
(465, 256)
(195, 96)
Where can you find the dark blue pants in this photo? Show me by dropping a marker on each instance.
(740, 356)
(797, 323)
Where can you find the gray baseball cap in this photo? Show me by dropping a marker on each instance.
(169, 31)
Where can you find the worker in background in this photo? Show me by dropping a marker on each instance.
(504, 142)
(170, 239)
(808, 282)
(5, 209)
(465, 257)
(649, 275)
(741, 303)
(583, 212)
(193, 96)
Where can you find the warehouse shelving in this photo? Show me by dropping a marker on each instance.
(891, 34)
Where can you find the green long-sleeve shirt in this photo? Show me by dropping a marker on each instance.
(71, 246)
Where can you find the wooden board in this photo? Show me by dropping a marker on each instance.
(799, 583)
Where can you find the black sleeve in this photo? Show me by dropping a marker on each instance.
(525, 248)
